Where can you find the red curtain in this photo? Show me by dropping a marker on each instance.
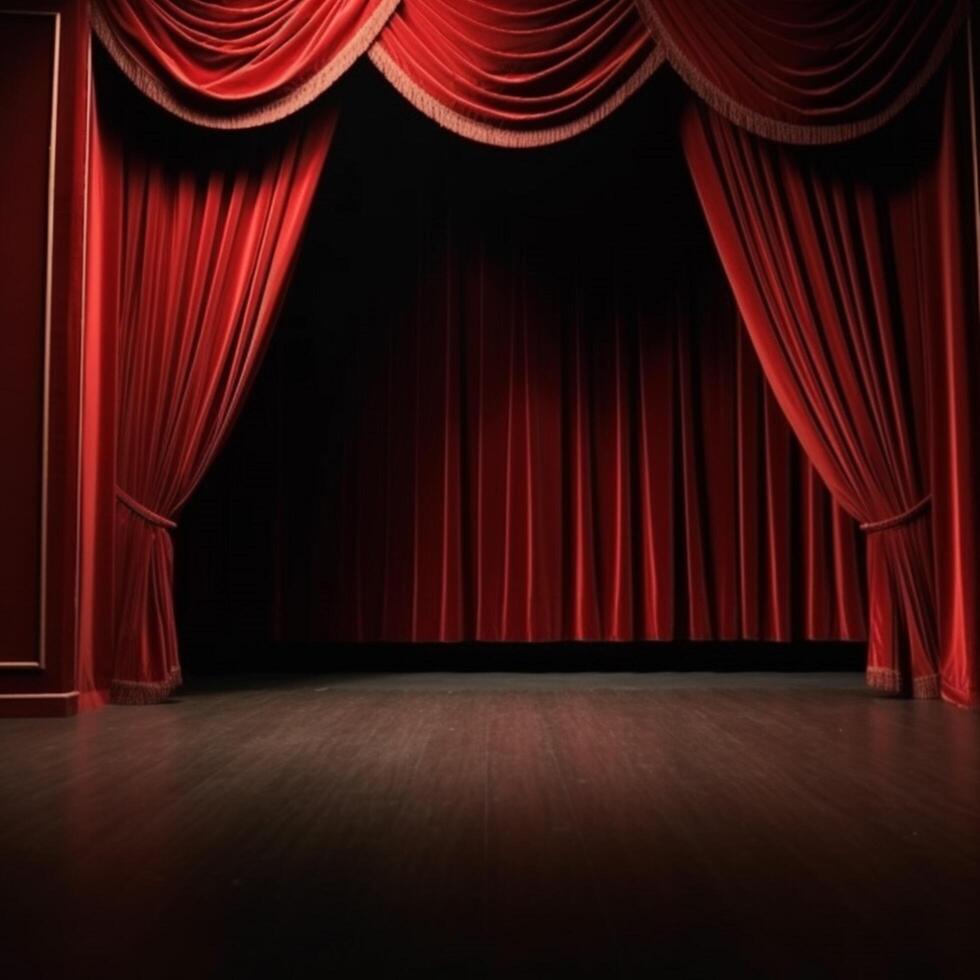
(518, 74)
(952, 279)
(830, 256)
(547, 425)
(197, 243)
(237, 63)
(815, 72)
(500, 463)
(524, 72)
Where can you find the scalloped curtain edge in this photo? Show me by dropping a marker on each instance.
(156, 90)
(483, 132)
(366, 41)
(785, 132)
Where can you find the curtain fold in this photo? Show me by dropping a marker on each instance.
(954, 295)
(505, 465)
(238, 63)
(817, 72)
(527, 72)
(197, 244)
(829, 256)
(516, 74)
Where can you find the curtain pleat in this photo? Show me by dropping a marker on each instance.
(951, 292)
(550, 470)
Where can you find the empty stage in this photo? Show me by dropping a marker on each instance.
(495, 825)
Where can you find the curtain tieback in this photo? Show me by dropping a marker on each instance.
(150, 516)
(897, 520)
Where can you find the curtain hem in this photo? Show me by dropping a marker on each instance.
(888, 680)
(960, 697)
(884, 679)
(140, 692)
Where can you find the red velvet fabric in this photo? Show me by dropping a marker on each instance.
(814, 72)
(953, 283)
(832, 259)
(196, 246)
(497, 465)
(237, 63)
(548, 425)
(97, 504)
(518, 73)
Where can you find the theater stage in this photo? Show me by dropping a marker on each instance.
(496, 824)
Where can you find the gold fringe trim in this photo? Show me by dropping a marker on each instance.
(884, 679)
(135, 692)
(890, 682)
(155, 89)
(496, 136)
(784, 132)
(926, 687)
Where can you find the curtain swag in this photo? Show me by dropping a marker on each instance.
(233, 67)
(826, 71)
(529, 72)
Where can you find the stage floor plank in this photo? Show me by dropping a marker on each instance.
(495, 825)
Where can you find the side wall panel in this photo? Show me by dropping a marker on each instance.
(44, 91)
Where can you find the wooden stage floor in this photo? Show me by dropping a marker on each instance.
(495, 825)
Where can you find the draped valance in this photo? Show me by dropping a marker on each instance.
(238, 63)
(820, 71)
(520, 73)
(527, 72)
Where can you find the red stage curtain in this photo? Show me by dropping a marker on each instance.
(237, 63)
(814, 72)
(196, 246)
(830, 257)
(502, 464)
(952, 283)
(516, 74)
(547, 425)
(519, 72)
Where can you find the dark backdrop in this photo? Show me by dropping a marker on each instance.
(510, 399)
